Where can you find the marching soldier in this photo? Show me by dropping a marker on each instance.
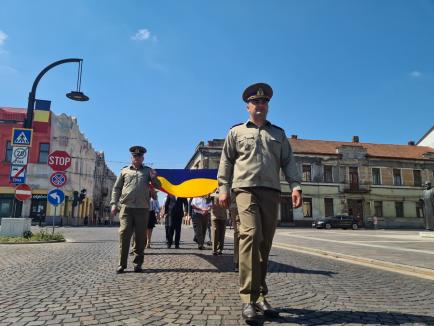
(253, 155)
(218, 221)
(131, 193)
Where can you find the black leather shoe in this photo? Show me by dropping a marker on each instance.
(169, 246)
(266, 309)
(249, 311)
(120, 270)
(138, 269)
(215, 253)
(176, 246)
(236, 270)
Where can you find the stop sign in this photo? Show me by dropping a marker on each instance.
(59, 160)
(23, 192)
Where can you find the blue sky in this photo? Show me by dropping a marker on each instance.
(168, 74)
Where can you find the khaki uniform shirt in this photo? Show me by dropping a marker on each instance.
(131, 188)
(253, 156)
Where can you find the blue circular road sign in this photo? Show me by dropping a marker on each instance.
(55, 197)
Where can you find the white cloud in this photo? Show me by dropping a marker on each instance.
(143, 35)
(3, 37)
(8, 70)
(415, 74)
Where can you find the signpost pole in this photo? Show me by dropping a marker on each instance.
(55, 212)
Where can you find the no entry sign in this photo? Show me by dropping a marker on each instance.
(58, 179)
(59, 160)
(23, 192)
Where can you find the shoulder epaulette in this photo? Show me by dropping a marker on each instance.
(238, 124)
(124, 167)
(278, 127)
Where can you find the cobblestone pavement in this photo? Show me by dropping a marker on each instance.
(74, 283)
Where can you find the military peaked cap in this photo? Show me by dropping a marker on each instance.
(259, 90)
(137, 150)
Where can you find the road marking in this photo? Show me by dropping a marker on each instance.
(429, 252)
(389, 235)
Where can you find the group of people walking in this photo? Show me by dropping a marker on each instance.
(254, 155)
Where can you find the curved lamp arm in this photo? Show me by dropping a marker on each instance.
(32, 95)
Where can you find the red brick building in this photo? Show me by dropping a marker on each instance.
(14, 118)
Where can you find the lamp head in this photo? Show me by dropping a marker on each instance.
(77, 96)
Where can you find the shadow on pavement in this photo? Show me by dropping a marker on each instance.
(225, 263)
(275, 267)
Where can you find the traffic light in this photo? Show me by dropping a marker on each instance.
(75, 198)
(82, 195)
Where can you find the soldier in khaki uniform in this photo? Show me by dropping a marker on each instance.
(218, 221)
(253, 155)
(131, 192)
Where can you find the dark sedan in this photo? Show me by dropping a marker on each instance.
(338, 221)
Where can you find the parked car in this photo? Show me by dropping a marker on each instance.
(338, 221)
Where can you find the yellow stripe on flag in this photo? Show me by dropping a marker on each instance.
(41, 116)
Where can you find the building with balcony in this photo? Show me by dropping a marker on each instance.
(103, 185)
(61, 133)
(359, 179)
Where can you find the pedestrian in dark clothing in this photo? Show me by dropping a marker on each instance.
(176, 209)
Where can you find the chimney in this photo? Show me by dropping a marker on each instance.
(355, 139)
(411, 143)
(294, 136)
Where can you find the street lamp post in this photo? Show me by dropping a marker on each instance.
(73, 95)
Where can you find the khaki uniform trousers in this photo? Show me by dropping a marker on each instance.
(257, 209)
(132, 220)
(218, 234)
(235, 219)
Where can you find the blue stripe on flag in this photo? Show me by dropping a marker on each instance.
(43, 105)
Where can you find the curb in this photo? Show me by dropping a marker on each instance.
(31, 242)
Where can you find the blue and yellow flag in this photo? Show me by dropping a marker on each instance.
(41, 116)
(188, 183)
(42, 111)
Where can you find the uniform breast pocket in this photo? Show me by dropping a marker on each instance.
(127, 179)
(246, 144)
(274, 144)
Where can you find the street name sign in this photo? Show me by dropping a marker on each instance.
(59, 160)
(17, 174)
(23, 192)
(20, 155)
(58, 179)
(22, 137)
(55, 197)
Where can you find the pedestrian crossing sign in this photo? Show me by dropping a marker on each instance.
(22, 137)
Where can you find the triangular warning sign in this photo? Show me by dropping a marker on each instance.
(21, 139)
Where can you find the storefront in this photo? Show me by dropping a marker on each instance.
(38, 208)
(9, 206)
